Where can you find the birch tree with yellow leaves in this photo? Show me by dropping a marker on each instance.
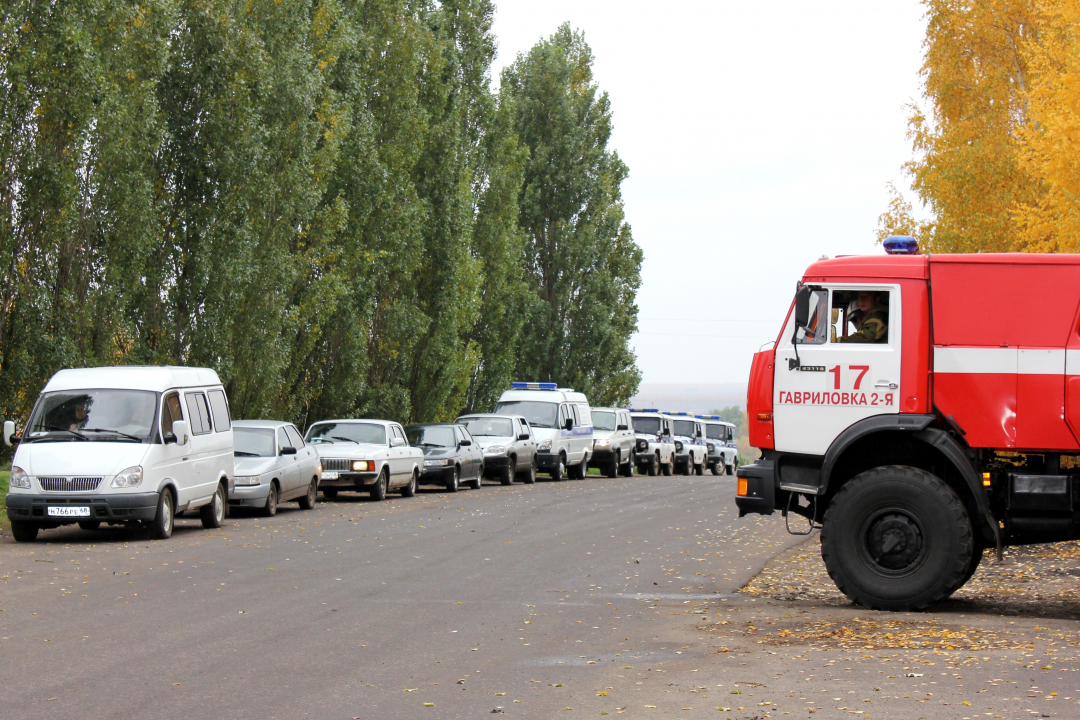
(995, 138)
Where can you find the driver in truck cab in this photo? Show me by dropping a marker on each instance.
(871, 320)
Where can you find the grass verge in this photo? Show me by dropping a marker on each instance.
(4, 476)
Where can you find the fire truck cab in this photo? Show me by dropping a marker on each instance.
(954, 429)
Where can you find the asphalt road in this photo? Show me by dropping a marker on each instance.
(527, 600)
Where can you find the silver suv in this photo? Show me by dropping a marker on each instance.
(613, 442)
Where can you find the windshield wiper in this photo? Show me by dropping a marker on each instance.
(76, 433)
(338, 437)
(242, 453)
(434, 445)
(109, 430)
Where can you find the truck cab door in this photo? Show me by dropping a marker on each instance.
(823, 382)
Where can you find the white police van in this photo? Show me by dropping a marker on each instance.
(691, 453)
(560, 420)
(654, 450)
(720, 442)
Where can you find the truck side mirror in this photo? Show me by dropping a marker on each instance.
(523, 436)
(622, 427)
(802, 307)
(569, 424)
(667, 431)
(10, 438)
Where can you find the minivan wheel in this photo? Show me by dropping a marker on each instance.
(272, 497)
(24, 531)
(213, 515)
(308, 501)
(161, 526)
(558, 472)
(378, 490)
(453, 479)
(506, 477)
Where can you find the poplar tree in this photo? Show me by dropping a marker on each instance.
(581, 261)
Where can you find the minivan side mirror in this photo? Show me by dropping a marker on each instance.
(288, 450)
(621, 427)
(569, 424)
(523, 436)
(179, 434)
(10, 438)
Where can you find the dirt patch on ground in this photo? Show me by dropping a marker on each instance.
(1033, 580)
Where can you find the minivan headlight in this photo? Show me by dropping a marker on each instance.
(132, 477)
(544, 446)
(19, 479)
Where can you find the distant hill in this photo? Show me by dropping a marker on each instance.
(697, 398)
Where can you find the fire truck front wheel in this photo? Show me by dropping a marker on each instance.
(897, 538)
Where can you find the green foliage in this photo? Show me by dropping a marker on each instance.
(580, 259)
(324, 201)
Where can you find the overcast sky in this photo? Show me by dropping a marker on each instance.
(759, 137)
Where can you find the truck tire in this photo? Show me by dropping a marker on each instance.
(668, 468)
(976, 559)
(654, 465)
(897, 538)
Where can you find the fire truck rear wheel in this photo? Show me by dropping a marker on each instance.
(897, 538)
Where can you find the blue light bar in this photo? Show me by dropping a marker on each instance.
(679, 413)
(532, 386)
(699, 417)
(901, 245)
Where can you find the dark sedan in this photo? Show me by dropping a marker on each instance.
(450, 455)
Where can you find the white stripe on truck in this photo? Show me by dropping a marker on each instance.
(1006, 361)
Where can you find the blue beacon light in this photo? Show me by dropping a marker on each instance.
(533, 385)
(901, 245)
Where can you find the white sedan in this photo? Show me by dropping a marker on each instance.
(370, 456)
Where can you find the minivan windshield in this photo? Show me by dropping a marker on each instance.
(603, 420)
(539, 414)
(359, 433)
(254, 442)
(489, 426)
(97, 415)
(646, 425)
(430, 435)
(682, 427)
(714, 432)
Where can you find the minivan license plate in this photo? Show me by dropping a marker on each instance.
(69, 511)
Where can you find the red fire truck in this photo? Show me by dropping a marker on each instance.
(957, 430)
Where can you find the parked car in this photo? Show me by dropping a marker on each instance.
(122, 445)
(655, 451)
(691, 452)
(273, 465)
(369, 456)
(561, 422)
(508, 444)
(720, 441)
(613, 442)
(449, 455)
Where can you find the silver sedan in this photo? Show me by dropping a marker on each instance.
(273, 464)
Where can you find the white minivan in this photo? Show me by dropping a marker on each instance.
(122, 445)
(561, 422)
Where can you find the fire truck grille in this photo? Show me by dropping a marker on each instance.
(338, 464)
(75, 484)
